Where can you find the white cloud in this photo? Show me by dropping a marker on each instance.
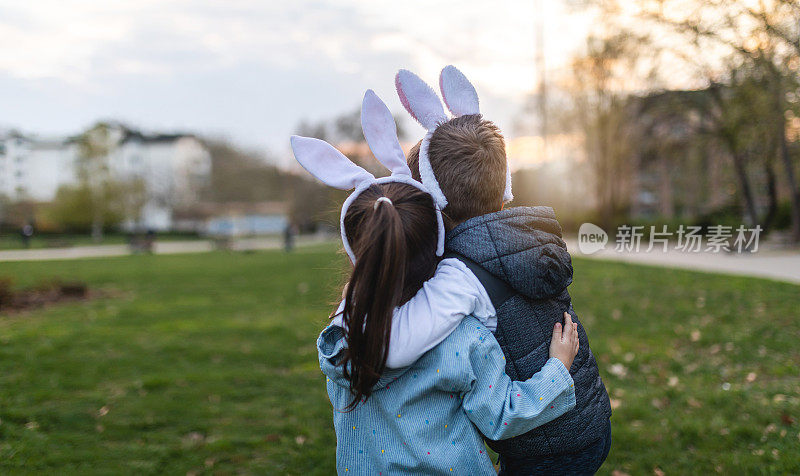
(253, 69)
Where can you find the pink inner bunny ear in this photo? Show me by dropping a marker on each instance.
(419, 99)
(327, 164)
(380, 131)
(458, 93)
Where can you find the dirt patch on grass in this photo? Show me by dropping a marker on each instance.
(15, 301)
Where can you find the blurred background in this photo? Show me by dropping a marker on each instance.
(174, 116)
(149, 203)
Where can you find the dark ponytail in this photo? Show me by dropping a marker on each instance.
(394, 244)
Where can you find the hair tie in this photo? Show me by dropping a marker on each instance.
(379, 200)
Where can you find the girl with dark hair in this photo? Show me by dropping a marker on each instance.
(429, 417)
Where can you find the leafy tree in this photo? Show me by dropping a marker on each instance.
(99, 200)
(94, 178)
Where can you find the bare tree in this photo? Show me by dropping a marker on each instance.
(763, 37)
(599, 110)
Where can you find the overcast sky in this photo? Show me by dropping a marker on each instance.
(250, 70)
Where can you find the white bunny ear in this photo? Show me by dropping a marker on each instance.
(458, 93)
(327, 164)
(419, 99)
(380, 131)
(508, 195)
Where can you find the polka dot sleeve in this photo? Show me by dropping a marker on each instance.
(502, 408)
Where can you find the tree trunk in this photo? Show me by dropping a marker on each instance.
(667, 205)
(794, 192)
(772, 192)
(744, 183)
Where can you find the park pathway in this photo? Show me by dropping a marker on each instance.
(164, 247)
(774, 264)
(781, 265)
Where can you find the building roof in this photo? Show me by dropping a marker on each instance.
(138, 136)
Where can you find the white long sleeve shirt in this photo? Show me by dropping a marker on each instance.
(434, 312)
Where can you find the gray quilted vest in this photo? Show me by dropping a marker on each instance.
(522, 249)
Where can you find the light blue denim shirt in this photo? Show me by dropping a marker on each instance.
(428, 418)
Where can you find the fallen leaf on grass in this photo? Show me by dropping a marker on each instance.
(694, 403)
(619, 370)
(660, 403)
(657, 471)
(787, 419)
(193, 438)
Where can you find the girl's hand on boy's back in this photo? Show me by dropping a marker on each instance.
(564, 344)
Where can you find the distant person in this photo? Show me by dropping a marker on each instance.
(149, 240)
(26, 233)
(289, 234)
(428, 417)
(521, 260)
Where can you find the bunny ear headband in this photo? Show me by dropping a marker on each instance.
(423, 104)
(330, 166)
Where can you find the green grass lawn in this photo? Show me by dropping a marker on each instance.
(207, 364)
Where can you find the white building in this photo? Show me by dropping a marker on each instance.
(34, 169)
(173, 168)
